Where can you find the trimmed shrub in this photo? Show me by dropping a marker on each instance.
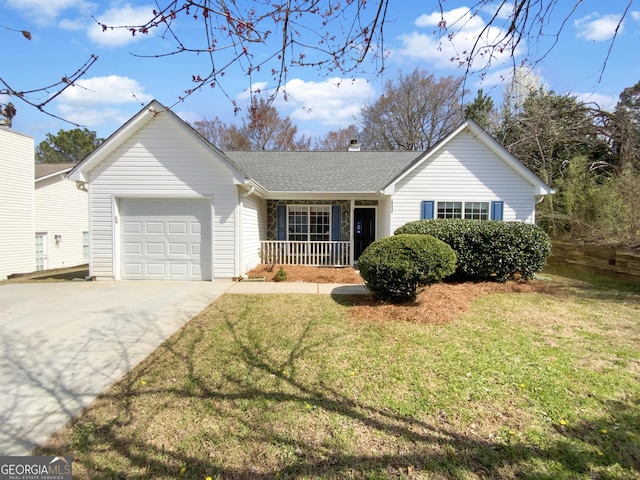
(489, 250)
(393, 268)
(281, 275)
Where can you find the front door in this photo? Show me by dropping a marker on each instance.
(364, 229)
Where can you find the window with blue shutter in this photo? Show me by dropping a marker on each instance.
(496, 210)
(282, 222)
(335, 222)
(427, 210)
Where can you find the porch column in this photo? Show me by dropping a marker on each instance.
(352, 206)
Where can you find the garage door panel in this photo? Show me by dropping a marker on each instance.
(134, 248)
(154, 227)
(178, 228)
(167, 239)
(133, 268)
(179, 269)
(154, 248)
(178, 249)
(132, 227)
(155, 269)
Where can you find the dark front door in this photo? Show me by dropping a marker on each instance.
(364, 229)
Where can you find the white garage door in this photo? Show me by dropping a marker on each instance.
(165, 239)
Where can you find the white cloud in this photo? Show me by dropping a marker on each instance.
(333, 102)
(465, 32)
(124, 15)
(598, 27)
(46, 11)
(98, 100)
(635, 15)
(604, 102)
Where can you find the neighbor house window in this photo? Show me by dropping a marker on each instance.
(85, 245)
(309, 223)
(467, 210)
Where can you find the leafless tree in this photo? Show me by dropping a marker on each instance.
(261, 129)
(413, 113)
(344, 37)
(338, 140)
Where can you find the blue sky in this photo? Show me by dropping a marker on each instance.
(64, 36)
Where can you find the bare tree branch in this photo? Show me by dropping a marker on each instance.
(53, 90)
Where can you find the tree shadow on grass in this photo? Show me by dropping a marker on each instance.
(423, 447)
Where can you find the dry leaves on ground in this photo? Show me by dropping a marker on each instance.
(439, 303)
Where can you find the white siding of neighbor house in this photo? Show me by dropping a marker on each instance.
(161, 161)
(17, 235)
(463, 170)
(62, 209)
(254, 229)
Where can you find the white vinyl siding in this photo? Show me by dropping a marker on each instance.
(162, 160)
(464, 169)
(61, 210)
(85, 246)
(254, 229)
(17, 233)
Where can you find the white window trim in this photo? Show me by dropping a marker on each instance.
(308, 234)
(463, 204)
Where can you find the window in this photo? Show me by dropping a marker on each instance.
(85, 245)
(449, 209)
(309, 223)
(476, 210)
(467, 210)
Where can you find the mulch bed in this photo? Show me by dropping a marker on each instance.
(439, 303)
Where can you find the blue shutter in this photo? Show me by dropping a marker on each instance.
(496, 210)
(282, 222)
(336, 210)
(427, 210)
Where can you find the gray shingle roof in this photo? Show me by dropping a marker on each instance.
(323, 171)
(47, 169)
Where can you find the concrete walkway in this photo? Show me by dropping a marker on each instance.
(62, 344)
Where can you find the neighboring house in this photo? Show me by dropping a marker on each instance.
(166, 204)
(17, 200)
(61, 218)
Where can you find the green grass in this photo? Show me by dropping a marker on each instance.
(523, 385)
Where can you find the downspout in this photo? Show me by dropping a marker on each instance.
(239, 243)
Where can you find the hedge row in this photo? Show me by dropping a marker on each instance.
(488, 250)
(394, 268)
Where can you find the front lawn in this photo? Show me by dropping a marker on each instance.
(521, 385)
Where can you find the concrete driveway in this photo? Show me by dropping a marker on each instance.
(62, 344)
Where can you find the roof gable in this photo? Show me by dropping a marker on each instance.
(131, 127)
(472, 128)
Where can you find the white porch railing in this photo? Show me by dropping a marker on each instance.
(317, 254)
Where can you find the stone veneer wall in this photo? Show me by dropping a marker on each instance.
(345, 205)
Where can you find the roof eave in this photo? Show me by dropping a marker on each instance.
(80, 171)
(59, 172)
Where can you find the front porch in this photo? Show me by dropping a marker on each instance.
(320, 233)
(314, 254)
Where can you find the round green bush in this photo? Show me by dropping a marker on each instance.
(393, 268)
(489, 250)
